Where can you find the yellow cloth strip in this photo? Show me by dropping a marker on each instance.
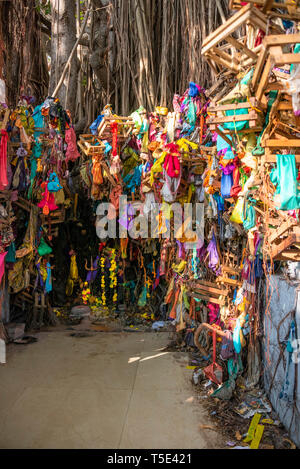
(258, 436)
(251, 431)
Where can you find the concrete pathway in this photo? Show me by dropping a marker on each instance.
(108, 390)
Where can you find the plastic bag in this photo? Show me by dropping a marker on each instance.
(237, 214)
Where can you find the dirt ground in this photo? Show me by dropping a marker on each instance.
(117, 390)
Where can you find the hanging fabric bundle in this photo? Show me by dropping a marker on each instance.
(72, 152)
(48, 202)
(249, 215)
(115, 163)
(285, 177)
(214, 313)
(213, 254)
(227, 180)
(95, 124)
(11, 253)
(48, 284)
(54, 184)
(19, 181)
(172, 313)
(97, 170)
(43, 248)
(143, 297)
(171, 162)
(163, 259)
(41, 276)
(172, 173)
(123, 245)
(3, 160)
(73, 275)
(114, 197)
(237, 213)
(236, 187)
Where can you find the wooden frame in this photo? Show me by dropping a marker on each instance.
(282, 129)
(23, 203)
(241, 56)
(56, 217)
(207, 291)
(125, 127)
(254, 117)
(282, 136)
(91, 145)
(292, 11)
(272, 55)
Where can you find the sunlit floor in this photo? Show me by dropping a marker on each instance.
(108, 390)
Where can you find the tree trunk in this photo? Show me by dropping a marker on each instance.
(62, 41)
(23, 56)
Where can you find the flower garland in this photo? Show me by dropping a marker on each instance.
(102, 267)
(86, 293)
(113, 276)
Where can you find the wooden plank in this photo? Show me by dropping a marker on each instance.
(228, 280)
(213, 290)
(291, 14)
(235, 19)
(203, 282)
(219, 132)
(282, 143)
(285, 58)
(209, 299)
(231, 270)
(291, 254)
(227, 57)
(263, 79)
(285, 106)
(235, 118)
(231, 107)
(268, 5)
(259, 67)
(238, 45)
(213, 55)
(281, 39)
